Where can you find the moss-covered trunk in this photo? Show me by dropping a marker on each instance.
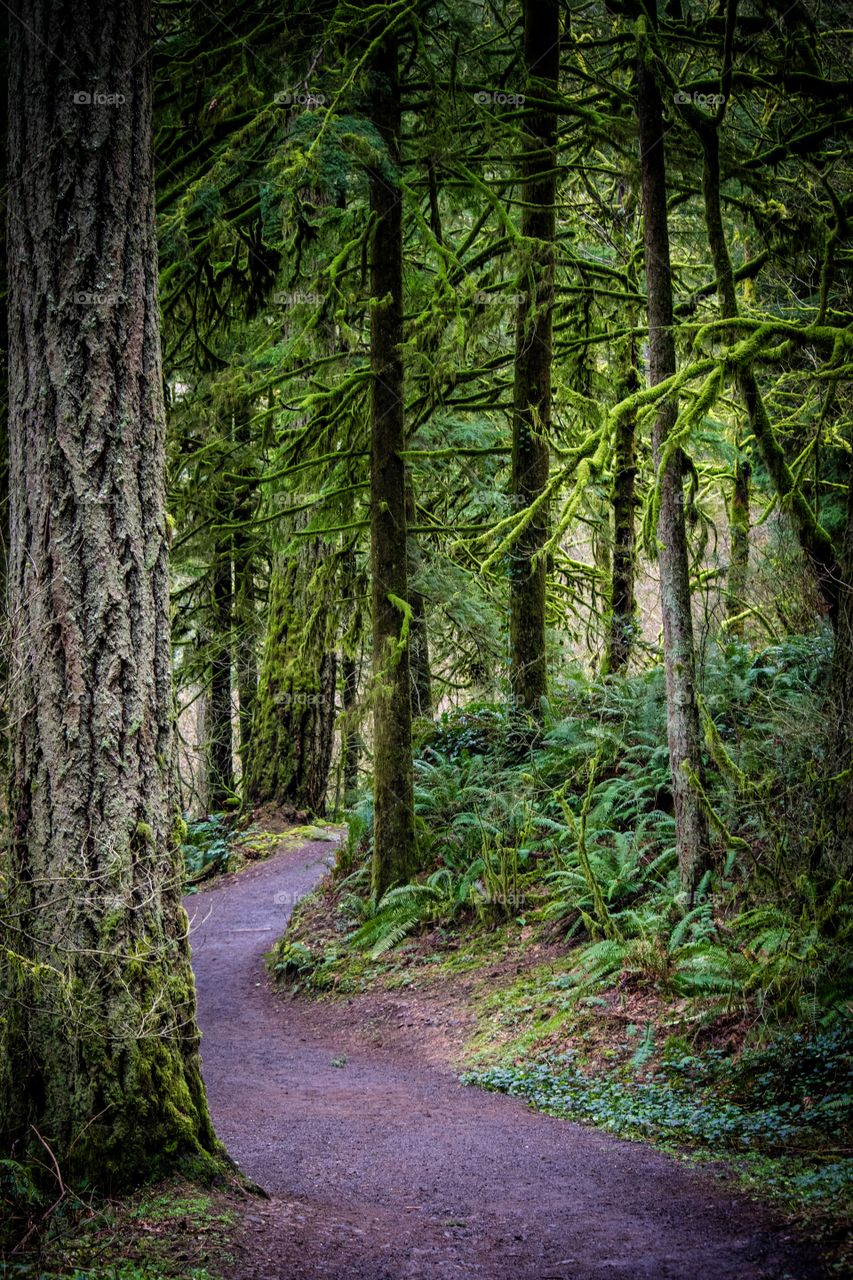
(738, 575)
(218, 730)
(243, 554)
(683, 728)
(350, 744)
(834, 846)
(531, 419)
(99, 1045)
(294, 723)
(419, 631)
(622, 620)
(393, 783)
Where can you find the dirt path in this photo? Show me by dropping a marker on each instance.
(385, 1167)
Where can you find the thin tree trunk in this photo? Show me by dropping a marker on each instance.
(217, 721)
(622, 622)
(350, 744)
(99, 1052)
(419, 633)
(834, 845)
(245, 629)
(394, 855)
(349, 728)
(683, 728)
(532, 377)
(738, 575)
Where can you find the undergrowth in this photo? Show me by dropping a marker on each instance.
(577, 838)
(566, 838)
(169, 1231)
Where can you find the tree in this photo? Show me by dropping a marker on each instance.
(685, 752)
(218, 729)
(243, 554)
(834, 845)
(393, 788)
(622, 621)
(418, 631)
(293, 729)
(99, 1044)
(531, 420)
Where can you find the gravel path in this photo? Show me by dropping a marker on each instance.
(384, 1167)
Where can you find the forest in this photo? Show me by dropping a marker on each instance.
(426, 531)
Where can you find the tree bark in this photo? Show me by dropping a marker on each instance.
(394, 854)
(739, 524)
(531, 421)
(835, 851)
(419, 633)
(99, 1052)
(293, 732)
(622, 622)
(217, 721)
(245, 628)
(683, 728)
(350, 744)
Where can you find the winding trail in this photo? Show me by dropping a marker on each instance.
(386, 1168)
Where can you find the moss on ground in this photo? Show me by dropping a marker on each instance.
(171, 1230)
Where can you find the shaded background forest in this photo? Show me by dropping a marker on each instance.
(270, 148)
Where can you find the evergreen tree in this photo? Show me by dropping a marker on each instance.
(99, 1042)
(685, 754)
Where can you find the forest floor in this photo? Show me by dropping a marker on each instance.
(381, 1165)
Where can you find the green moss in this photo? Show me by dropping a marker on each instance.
(146, 834)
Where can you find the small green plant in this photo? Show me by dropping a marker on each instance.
(206, 848)
(293, 960)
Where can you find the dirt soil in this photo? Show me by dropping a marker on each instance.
(381, 1166)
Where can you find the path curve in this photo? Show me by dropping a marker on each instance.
(386, 1168)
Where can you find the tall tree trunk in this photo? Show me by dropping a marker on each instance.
(531, 420)
(622, 621)
(834, 847)
(394, 854)
(738, 574)
(419, 632)
(217, 721)
(99, 1052)
(245, 628)
(293, 732)
(683, 728)
(350, 744)
(350, 741)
